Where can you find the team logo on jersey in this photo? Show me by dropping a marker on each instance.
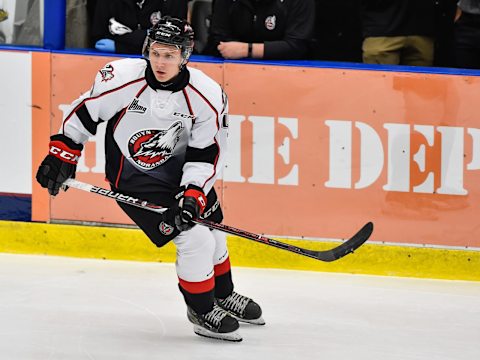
(136, 107)
(107, 73)
(155, 17)
(270, 22)
(151, 148)
(165, 228)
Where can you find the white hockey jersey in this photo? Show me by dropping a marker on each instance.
(156, 140)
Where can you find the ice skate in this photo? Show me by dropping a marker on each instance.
(242, 308)
(216, 324)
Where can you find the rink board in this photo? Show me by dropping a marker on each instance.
(132, 244)
(314, 153)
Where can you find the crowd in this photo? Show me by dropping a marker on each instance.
(405, 32)
(397, 32)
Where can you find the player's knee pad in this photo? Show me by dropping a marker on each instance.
(221, 250)
(195, 250)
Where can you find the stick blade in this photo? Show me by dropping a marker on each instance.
(348, 246)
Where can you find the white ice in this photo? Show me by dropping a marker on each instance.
(65, 308)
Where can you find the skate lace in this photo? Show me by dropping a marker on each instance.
(236, 302)
(216, 315)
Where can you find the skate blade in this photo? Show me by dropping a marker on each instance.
(233, 336)
(258, 321)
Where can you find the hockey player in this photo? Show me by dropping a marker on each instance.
(165, 142)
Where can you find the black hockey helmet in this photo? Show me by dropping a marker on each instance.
(171, 31)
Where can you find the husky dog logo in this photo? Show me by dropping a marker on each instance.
(151, 148)
(107, 72)
(270, 22)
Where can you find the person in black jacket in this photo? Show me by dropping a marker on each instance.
(121, 25)
(398, 32)
(262, 29)
(467, 34)
(338, 31)
(444, 36)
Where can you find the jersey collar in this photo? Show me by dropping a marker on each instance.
(176, 84)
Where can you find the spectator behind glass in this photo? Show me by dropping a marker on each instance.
(444, 23)
(3, 17)
(121, 25)
(467, 34)
(398, 32)
(338, 31)
(262, 29)
(77, 24)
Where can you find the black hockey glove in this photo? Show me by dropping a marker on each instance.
(190, 207)
(60, 164)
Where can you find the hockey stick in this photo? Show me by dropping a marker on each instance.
(333, 254)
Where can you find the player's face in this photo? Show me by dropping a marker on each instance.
(165, 61)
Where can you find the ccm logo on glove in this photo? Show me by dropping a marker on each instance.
(65, 154)
(60, 164)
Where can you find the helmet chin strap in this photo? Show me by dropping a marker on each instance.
(183, 63)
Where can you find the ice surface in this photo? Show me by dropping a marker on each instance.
(65, 308)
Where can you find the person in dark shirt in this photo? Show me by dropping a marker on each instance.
(121, 25)
(467, 34)
(398, 32)
(262, 29)
(444, 28)
(338, 31)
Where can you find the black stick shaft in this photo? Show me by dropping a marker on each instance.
(335, 253)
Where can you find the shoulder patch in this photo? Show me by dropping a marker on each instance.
(107, 73)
